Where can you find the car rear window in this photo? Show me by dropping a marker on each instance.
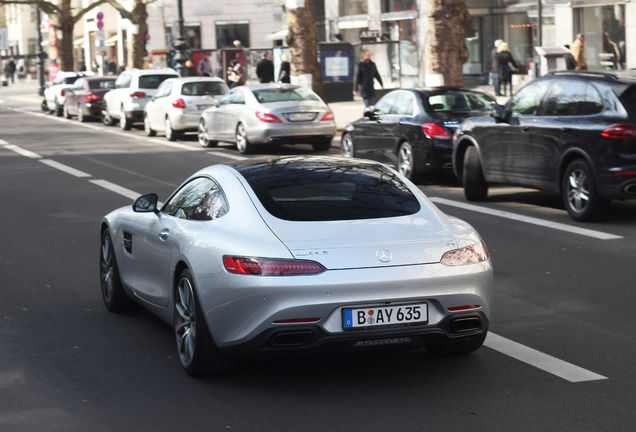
(101, 84)
(628, 98)
(460, 102)
(298, 189)
(284, 95)
(204, 88)
(153, 81)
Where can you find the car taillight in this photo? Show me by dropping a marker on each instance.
(270, 266)
(468, 255)
(179, 103)
(620, 131)
(63, 92)
(138, 94)
(267, 117)
(91, 97)
(435, 131)
(327, 117)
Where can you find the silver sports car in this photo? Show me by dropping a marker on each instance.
(268, 114)
(297, 255)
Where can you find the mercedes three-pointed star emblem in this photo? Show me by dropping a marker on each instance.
(384, 255)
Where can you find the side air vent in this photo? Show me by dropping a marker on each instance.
(128, 242)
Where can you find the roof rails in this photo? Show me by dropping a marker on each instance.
(608, 75)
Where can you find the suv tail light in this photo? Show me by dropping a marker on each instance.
(328, 116)
(63, 92)
(468, 255)
(91, 97)
(620, 131)
(267, 117)
(138, 94)
(179, 103)
(435, 131)
(271, 266)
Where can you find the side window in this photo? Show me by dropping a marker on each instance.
(200, 199)
(404, 105)
(592, 102)
(527, 101)
(164, 89)
(384, 105)
(123, 81)
(79, 84)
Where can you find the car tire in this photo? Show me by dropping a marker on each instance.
(65, 112)
(580, 197)
(347, 148)
(59, 109)
(322, 146)
(80, 115)
(113, 294)
(462, 347)
(45, 107)
(202, 136)
(149, 131)
(475, 185)
(124, 122)
(106, 118)
(198, 354)
(243, 145)
(171, 134)
(406, 161)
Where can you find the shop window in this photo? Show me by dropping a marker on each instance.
(397, 5)
(192, 34)
(354, 7)
(229, 32)
(594, 22)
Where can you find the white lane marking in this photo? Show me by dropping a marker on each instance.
(222, 153)
(545, 362)
(3, 142)
(116, 188)
(527, 219)
(65, 168)
(20, 150)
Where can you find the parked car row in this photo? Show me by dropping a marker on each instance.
(247, 115)
(570, 132)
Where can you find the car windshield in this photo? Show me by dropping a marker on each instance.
(284, 95)
(460, 102)
(204, 88)
(152, 81)
(101, 84)
(302, 189)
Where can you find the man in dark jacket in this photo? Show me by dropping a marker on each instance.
(265, 69)
(363, 79)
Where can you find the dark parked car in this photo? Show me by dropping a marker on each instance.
(570, 132)
(85, 98)
(412, 129)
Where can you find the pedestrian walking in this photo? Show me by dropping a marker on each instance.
(507, 66)
(284, 76)
(235, 73)
(612, 52)
(203, 67)
(495, 68)
(578, 51)
(11, 70)
(265, 69)
(366, 72)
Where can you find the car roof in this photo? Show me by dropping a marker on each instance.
(253, 87)
(623, 76)
(195, 79)
(164, 71)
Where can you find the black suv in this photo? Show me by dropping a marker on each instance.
(570, 132)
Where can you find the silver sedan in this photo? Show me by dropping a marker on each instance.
(268, 114)
(178, 104)
(298, 255)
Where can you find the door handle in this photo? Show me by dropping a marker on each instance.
(164, 234)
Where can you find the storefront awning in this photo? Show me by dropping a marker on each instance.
(281, 34)
(399, 15)
(354, 21)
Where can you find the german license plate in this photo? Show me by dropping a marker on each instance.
(385, 315)
(309, 116)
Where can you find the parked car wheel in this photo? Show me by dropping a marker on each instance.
(124, 122)
(171, 134)
(406, 161)
(149, 131)
(59, 109)
(475, 186)
(197, 351)
(106, 118)
(242, 143)
(45, 106)
(202, 136)
(113, 294)
(346, 146)
(579, 193)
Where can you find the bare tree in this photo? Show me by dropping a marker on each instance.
(446, 50)
(139, 16)
(301, 39)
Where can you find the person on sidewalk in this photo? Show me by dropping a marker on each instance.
(495, 68)
(363, 79)
(611, 49)
(506, 65)
(265, 69)
(578, 51)
(285, 70)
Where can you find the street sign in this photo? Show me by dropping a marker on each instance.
(100, 16)
(100, 25)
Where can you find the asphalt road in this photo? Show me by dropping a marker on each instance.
(560, 356)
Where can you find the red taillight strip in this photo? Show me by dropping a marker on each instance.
(328, 116)
(297, 321)
(435, 131)
(267, 117)
(622, 130)
(462, 308)
(179, 103)
(271, 266)
(625, 173)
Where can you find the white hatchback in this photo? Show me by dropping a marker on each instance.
(178, 104)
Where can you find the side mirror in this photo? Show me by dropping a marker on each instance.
(146, 203)
(370, 114)
(498, 113)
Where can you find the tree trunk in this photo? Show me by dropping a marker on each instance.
(301, 39)
(446, 49)
(65, 45)
(139, 17)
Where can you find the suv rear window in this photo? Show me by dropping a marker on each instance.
(628, 98)
(300, 190)
(153, 81)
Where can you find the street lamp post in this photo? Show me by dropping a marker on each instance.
(38, 52)
(180, 45)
